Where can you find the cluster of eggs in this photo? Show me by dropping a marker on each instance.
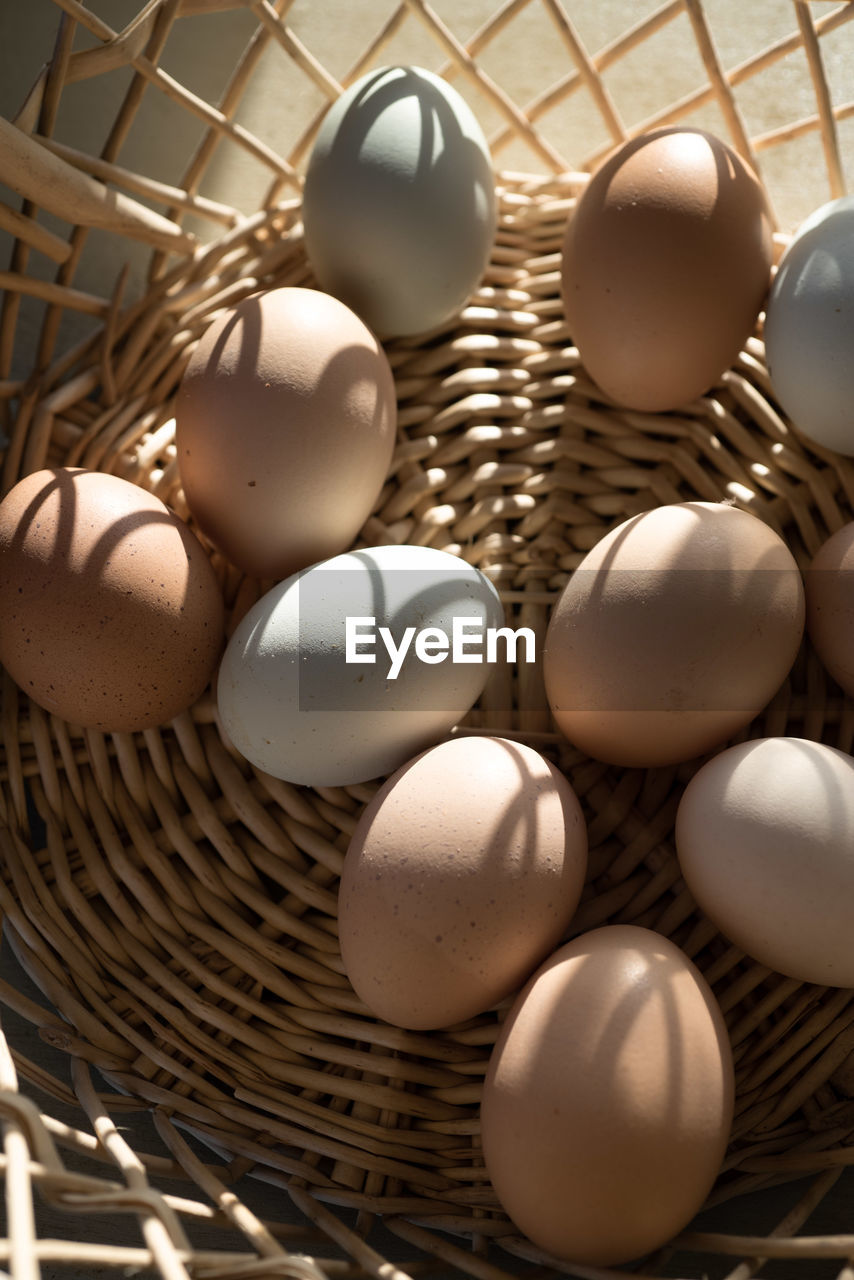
(612, 1071)
(608, 1101)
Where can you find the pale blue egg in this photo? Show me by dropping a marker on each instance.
(347, 669)
(809, 327)
(399, 203)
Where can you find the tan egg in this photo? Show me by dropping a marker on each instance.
(666, 265)
(608, 1098)
(462, 874)
(676, 629)
(765, 839)
(829, 586)
(111, 615)
(285, 426)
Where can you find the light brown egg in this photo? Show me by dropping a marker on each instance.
(666, 265)
(608, 1099)
(463, 872)
(676, 629)
(285, 426)
(111, 616)
(829, 585)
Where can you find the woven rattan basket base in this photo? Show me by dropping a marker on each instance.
(175, 910)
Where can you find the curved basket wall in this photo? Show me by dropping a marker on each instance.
(175, 907)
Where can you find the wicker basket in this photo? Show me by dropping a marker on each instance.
(219, 1093)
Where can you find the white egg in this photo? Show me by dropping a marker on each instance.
(346, 670)
(765, 840)
(809, 327)
(399, 200)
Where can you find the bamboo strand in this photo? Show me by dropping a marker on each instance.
(49, 181)
(184, 97)
(202, 207)
(36, 236)
(829, 136)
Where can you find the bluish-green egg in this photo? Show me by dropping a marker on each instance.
(399, 201)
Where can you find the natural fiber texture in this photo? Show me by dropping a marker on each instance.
(176, 908)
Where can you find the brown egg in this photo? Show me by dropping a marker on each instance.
(608, 1099)
(111, 616)
(666, 264)
(675, 630)
(285, 426)
(462, 874)
(829, 583)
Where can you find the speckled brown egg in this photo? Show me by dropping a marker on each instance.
(666, 265)
(461, 875)
(608, 1099)
(111, 616)
(285, 425)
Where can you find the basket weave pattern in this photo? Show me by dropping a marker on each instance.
(176, 908)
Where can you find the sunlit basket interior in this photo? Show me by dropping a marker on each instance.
(173, 909)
